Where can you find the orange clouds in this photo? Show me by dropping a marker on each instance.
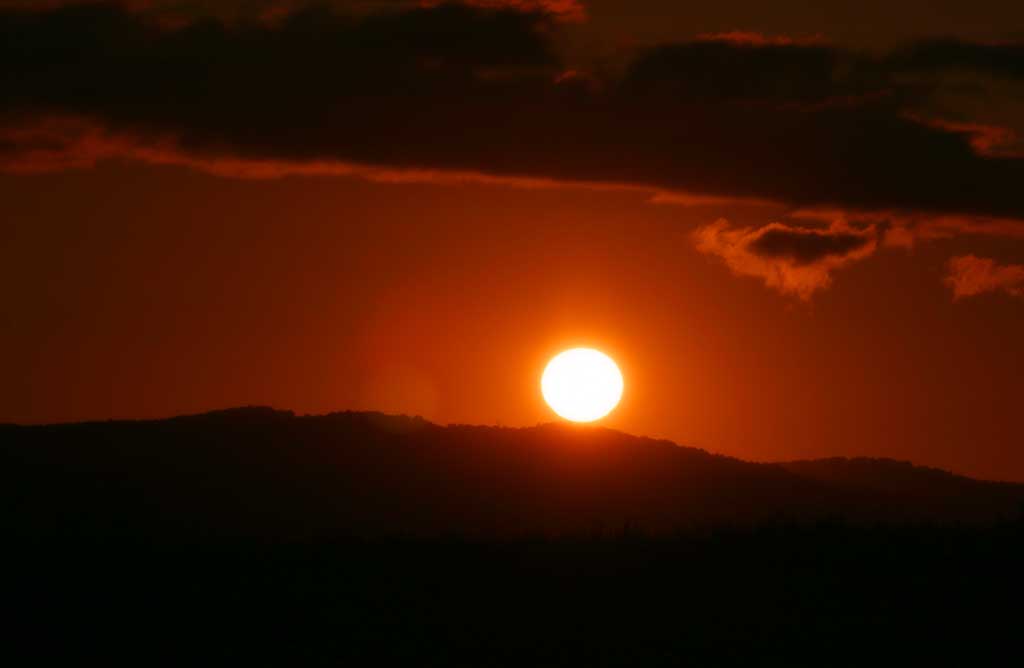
(991, 141)
(903, 229)
(970, 275)
(831, 135)
(60, 143)
(793, 260)
(799, 261)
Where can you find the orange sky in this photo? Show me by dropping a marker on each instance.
(134, 289)
(148, 292)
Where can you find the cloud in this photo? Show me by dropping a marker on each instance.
(760, 71)
(749, 38)
(905, 229)
(681, 198)
(970, 275)
(801, 246)
(987, 140)
(568, 10)
(480, 90)
(1004, 59)
(796, 261)
(55, 144)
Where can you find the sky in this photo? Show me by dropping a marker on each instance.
(799, 231)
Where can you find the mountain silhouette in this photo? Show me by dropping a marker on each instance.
(260, 472)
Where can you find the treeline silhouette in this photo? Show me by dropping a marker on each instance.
(255, 537)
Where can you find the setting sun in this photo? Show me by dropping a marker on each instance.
(582, 384)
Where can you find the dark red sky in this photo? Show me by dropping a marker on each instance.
(800, 244)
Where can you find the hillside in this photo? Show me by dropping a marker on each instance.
(258, 472)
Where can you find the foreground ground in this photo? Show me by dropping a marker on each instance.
(821, 595)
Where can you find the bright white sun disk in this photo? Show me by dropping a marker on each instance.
(582, 384)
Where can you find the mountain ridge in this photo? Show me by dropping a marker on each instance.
(257, 410)
(259, 471)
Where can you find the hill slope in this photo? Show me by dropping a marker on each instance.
(265, 473)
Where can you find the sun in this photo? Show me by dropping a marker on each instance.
(582, 384)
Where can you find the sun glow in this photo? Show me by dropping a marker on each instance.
(582, 384)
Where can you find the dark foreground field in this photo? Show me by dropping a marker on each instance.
(820, 595)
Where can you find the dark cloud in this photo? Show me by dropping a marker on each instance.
(269, 10)
(1004, 59)
(481, 90)
(804, 246)
(568, 10)
(732, 69)
(796, 261)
